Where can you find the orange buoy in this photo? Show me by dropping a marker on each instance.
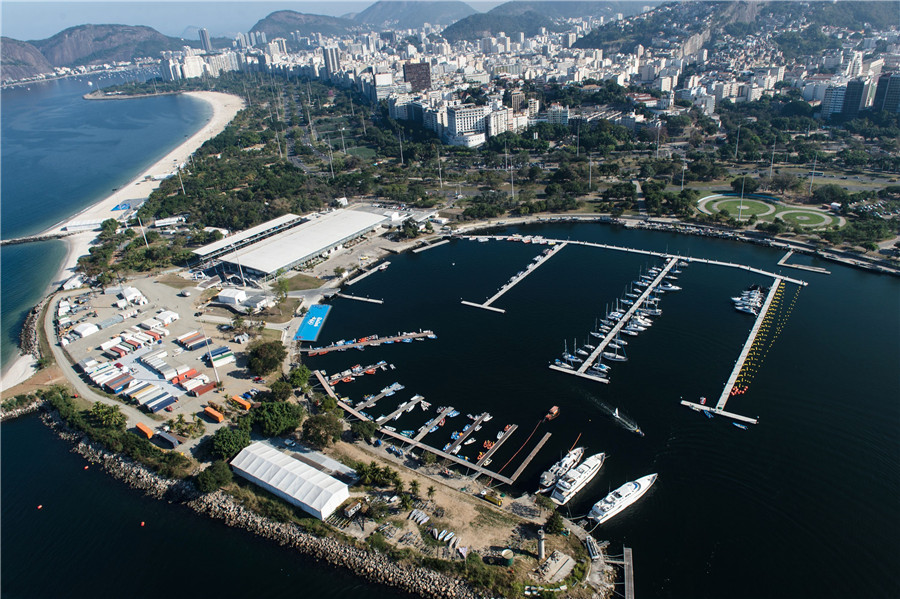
(40, 506)
(142, 523)
(85, 467)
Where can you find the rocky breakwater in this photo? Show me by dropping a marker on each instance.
(374, 567)
(34, 406)
(28, 338)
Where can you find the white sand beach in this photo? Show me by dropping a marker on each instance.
(225, 107)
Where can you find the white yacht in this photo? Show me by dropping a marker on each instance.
(575, 480)
(560, 468)
(620, 499)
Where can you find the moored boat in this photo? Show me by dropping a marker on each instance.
(621, 498)
(550, 477)
(576, 479)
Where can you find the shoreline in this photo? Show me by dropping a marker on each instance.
(224, 108)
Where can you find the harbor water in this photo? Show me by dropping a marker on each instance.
(60, 154)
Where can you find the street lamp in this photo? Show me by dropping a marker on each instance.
(683, 168)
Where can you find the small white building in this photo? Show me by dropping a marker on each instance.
(233, 297)
(133, 296)
(167, 317)
(73, 283)
(85, 329)
(300, 484)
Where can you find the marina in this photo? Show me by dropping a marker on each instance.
(363, 342)
(739, 364)
(497, 445)
(403, 408)
(368, 272)
(518, 278)
(615, 330)
(462, 437)
(787, 256)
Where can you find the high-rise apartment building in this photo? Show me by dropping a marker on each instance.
(332, 60)
(887, 93)
(205, 42)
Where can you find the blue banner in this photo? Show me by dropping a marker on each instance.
(312, 323)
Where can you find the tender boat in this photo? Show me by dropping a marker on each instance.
(552, 413)
(552, 475)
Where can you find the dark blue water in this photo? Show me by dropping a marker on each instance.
(60, 154)
(757, 513)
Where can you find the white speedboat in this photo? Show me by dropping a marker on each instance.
(620, 499)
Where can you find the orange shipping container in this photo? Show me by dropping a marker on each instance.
(218, 417)
(241, 402)
(146, 430)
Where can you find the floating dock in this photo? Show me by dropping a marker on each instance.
(359, 299)
(464, 434)
(497, 445)
(424, 430)
(403, 407)
(366, 273)
(368, 403)
(581, 370)
(517, 279)
(530, 457)
(786, 257)
(430, 245)
(629, 573)
(368, 342)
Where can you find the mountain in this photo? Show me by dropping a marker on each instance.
(399, 14)
(283, 22)
(21, 60)
(570, 10)
(479, 25)
(95, 44)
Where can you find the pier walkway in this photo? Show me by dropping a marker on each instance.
(368, 403)
(369, 341)
(663, 255)
(366, 273)
(581, 370)
(359, 299)
(786, 257)
(629, 573)
(430, 245)
(517, 279)
(530, 457)
(497, 445)
(402, 408)
(424, 430)
(464, 434)
(726, 392)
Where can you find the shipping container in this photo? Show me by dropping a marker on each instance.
(213, 414)
(170, 439)
(144, 429)
(186, 336)
(241, 402)
(162, 404)
(218, 351)
(108, 344)
(198, 391)
(151, 398)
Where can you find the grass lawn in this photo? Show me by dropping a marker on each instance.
(271, 335)
(750, 208)
(175, 281)
(362, 152)
(807, 219)
(300, 282)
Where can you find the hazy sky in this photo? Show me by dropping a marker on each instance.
(38, 20)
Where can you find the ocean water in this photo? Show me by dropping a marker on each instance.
(61, 153)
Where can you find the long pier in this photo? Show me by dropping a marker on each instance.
(359, 299)
(366, 273)
(629, 573)
(431, 423)
(403, 407)
(428, 246)
(368, 403)
(517, 279)
(726, 392)
(786, 257)
(497, 445)
(367, 342)
(582, 370)
(530, 457)
(464, 434)
(664, 255)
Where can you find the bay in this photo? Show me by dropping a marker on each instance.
(60, 154)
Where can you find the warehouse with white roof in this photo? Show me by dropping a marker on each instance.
(248, 236)
(302, 485)
(320, 234)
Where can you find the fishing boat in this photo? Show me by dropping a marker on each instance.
(552, 413)
(576, 479)
(433, 429)
(614, 503)
(550, 477)
(702, 401)
(406, 433)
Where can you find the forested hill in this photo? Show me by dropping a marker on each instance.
(283, 22)
(96, 44)
(477, 26)
(21, 60)
(565, 9)
(413, 14)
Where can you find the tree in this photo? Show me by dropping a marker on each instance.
(281, 289)
(745, 185)
(322, 429)
(364, 429)
(299, 378)
(555, 524)
(215, 477)
(275, 419)
(429, 458)
(280, 390)
(227, 442)
(264, 357)
(414, 487)
(544, 502)
(339, 271)
(108, 416)
(431, 491)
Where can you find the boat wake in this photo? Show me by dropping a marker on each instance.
(618, 417)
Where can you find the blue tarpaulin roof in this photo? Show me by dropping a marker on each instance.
(312, 323)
